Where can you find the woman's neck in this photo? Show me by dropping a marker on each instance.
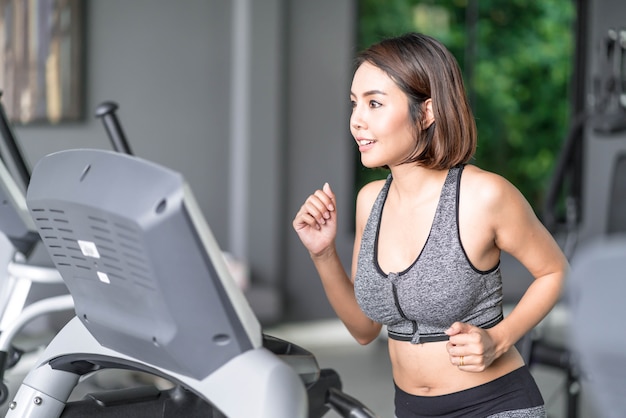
(410, 180)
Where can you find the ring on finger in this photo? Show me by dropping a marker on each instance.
(461, 362)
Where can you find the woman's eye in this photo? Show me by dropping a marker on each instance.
(375, 104)
(352, 104)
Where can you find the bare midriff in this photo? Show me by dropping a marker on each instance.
(426, 370)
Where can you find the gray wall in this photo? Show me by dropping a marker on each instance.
(601, 150)
(320, 147)
(169, 67)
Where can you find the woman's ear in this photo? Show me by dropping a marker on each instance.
(429, 116)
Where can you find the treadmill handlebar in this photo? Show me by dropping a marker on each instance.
(106, 112)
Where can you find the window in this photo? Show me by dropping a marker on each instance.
(517, 59)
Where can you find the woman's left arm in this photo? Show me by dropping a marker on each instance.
(519, 232)
(516, 230)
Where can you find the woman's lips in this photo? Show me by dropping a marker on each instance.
(365, 144)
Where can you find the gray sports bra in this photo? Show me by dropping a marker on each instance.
(440, 287)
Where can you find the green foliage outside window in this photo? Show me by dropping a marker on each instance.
(517, 58)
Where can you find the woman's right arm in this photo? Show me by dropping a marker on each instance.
(316, 226)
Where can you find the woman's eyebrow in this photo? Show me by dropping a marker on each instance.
(370, 93)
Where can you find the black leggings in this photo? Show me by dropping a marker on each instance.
(514, 395)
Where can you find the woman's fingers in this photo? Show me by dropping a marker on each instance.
(318, 207)
(316, 210)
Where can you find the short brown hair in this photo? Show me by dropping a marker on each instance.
(424, 68)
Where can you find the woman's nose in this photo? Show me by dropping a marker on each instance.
(356, 119)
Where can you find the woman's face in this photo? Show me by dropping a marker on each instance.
(380, 121)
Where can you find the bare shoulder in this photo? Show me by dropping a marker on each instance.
(489, 190)
(492, 198)
(509, 216)
(370, 191)
(368, 194)
(365, 200)
(502, 208)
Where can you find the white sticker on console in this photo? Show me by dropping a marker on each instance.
(103, 277)
(89, 249)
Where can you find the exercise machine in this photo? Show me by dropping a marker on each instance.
(586, 200)
(19, 243)
(595, 295)
(16, 284)
(152, 294)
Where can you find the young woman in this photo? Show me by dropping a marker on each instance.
(428, 242)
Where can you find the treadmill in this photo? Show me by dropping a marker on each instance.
(152, 293)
